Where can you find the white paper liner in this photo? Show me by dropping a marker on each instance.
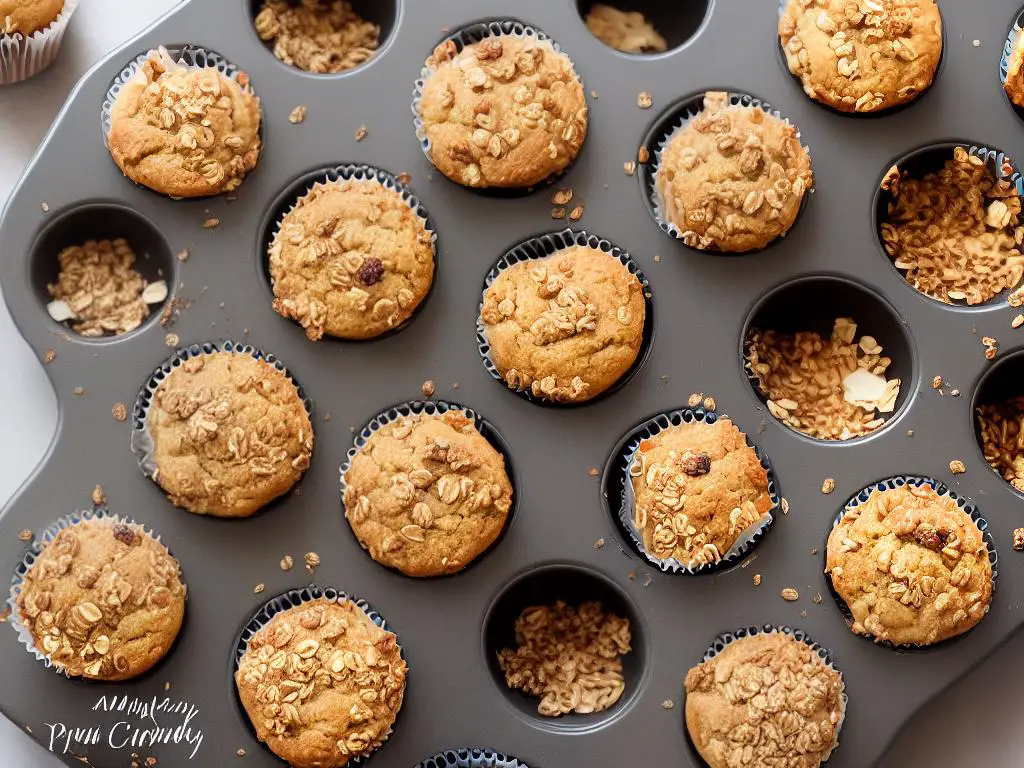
(545, 246)
(898, 481)
(474, 757)
(46, 537)
(293, 598)
(623, 460)
(22, 56)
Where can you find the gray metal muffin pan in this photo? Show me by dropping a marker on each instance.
(449, 626)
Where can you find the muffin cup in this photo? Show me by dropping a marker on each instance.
(541, 247)
(23, 56)
(289, 200)
(618, 493)
(142, 442)
(32, 552)
(722, 641)
(675, 119)
(432, 408)
(892, 483)
(192, 56)
(293, 598)
(471, 758)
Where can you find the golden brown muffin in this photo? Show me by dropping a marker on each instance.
(427, 494)
(911, 566)
(322, 684)
(626, 31)
(185, 132)
(565, 327)
(862, 57)
(733, 178)
(765, 700)
(697, 488)
(351, 260)
(27, 17)
(230, 433)
(322, 37)
(1014, 83)
(104, 600)
(508, 111)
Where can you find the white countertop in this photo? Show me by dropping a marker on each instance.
(976, 723)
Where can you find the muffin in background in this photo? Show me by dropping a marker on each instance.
(31, 32)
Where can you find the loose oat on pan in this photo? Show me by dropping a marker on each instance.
(571, 658)
(322, 36)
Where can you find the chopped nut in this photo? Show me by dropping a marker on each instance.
(119, 411)
(99, 498)
(259, 588)
(695, 399)
(1018, 539)
(312, 560)
(784, 504)
(428, 388)
(828, 486)
(757, 579)
(561, 196)
(644, 100)
(183, 254)
(957, 467)
(49, 356)
(361, 133)
(404, 178)
(1017, 321)
(598, 544)
(558, 213)
(789, 594)
(629, 167)
(936, 382)
(297, 115)
(643, 155)
(25, 535)
(287, 563)
(667, 704)
(211, 223)
(576, 213)
(241, 752)
(816, 599)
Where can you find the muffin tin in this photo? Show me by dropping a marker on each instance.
(451, 628)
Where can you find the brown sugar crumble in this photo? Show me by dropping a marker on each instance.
(324, 38)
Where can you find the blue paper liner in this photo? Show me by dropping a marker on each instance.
(471, 758)
(898, 481)
(542, 247)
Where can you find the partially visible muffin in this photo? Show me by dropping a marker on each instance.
(697, 488)
(427, 494)
(104, 600)
(322, 684)
(351, 260)
(764, 700)
(508, 111)
(26, 17)
(626, 31)
(565, 327)
(733, 178)
(911, 565)
(230, 433)
(1014, 83)
(184, 132)
(862, 57)
(322, 37)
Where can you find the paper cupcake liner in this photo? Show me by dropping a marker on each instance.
(32, 552)
(193, 56)
(541, 247)
(293, 598)
(471, 758)
(675, 119)
(289, 200)
(898, 481)
(618, 493)
(432, 408)
(142, 442)
(22, 56)
(726, 638)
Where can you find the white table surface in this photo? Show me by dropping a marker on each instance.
(976, 723)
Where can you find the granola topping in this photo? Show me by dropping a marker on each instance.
(322, 37)
(624, 31)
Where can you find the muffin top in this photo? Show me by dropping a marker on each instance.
(427, 494)
(322, 683)
(911, 565)
(1014, 84)
(733, 178)
(508, 111)
(769, 700)
(103, 600)
(230, 433)
(862, 57)
(565, 327)
(626, 31)
(322, 37)
(697, 487)
(26, 17)
(185, 132)
(351, 259)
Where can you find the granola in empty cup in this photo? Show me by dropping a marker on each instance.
(568, 657)
(185, 131)
(322, 684)
(911, 565)
(508, 111)
(955, 233)
(626, 31)
(764, 700)
(862, 56)
(322, 36)
(1000, 428)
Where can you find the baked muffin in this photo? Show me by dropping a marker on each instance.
(230, 433)
(697, 487)
(508, 111)
(322, 37)
(765, 700)
(322, 684)
(626, 31)
(427, 494)
(26, 17)
(103, 600)
(351, 260)
(911, 566)
(1014, 83)
(733, 178)
(565, 327)
(862, 57)
(184, 132)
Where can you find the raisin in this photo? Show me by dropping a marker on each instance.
(124, 534)
(695, 464)
(930, 540)
(371, 271)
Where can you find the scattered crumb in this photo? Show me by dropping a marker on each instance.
(816, 599)
(312, 561)
(1016, 298)
(562, 196)
(25, 535)
(49, 356)
(667, 704)
(79, 391)
(4, 614)
(150, 762)
(1018, 539)
(183, 254)
(803, 614)
(629, 167)
(428, 388)
(259, 588)
(643, 155)
(709, 403)
(593, 95)
(814, 551)
(593, 472)
(576, 213)
(171, 340)
(828, 486)
(44, 206)
(361, 133)
(910, 433)
(644, 100)
(784, 504)
(211, 223)
(119, 411)
(297, 115)
(789, 594)
(1017, 322)
(936, 382)
(558, 213)
(327, 417)
(647, 580)
(757, 579)
(695, 399)
(632, 575)
(991, 347)
(599, 543)
(976, 43)
(455, 385)
(240, 752)
(99, 498)
(957, 467)
(167, 686)
(955, 392)
(657, 258)
(403, 178)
